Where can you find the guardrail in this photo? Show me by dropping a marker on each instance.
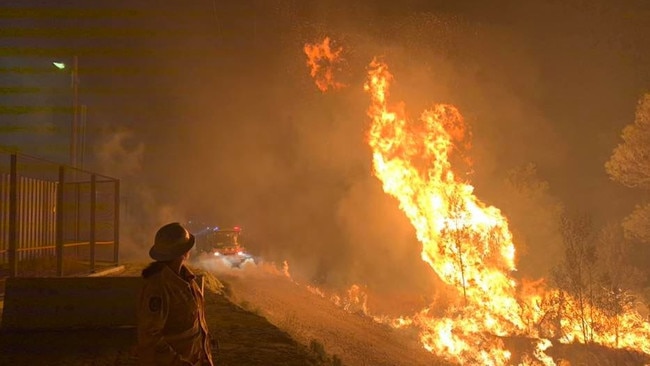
(56, 220)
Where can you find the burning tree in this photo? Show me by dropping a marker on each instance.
(456, 233)
(469, 245)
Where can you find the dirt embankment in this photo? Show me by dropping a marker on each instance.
(356, 339)
(244, 338)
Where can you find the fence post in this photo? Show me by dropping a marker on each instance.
(13, 215)
(77, 203)
(59, 222)
(116, 224)
(93, 187)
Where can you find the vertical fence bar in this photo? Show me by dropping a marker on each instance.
(40, 209)
(36, 215)
(77, 221)
(116, 224)
(5, 220)
(23, 219)
(20, 220)
(13, 211)
(4, 212)
(22, 212)
(42, 217)
(51, 224)
(59, 222)
(93, 188)
(30, 197)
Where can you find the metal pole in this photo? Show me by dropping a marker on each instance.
(59, 222)
(75, 112)
(13, 213)
(77, 209)
(116, 224)
(82, 148)
(93, 188)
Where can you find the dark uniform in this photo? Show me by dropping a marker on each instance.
(171, 319)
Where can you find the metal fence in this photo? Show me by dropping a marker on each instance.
(56, 220)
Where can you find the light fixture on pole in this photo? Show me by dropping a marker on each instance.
(75, 112)
(74, 123)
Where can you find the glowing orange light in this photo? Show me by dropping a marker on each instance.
(322, 60)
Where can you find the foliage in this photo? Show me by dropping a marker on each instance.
(533, 213)
(630, 161)
(596, 274)
(617, 280)
(637, 224)
(576, 273)
(543, 317)
(630, 166)
(613, 257)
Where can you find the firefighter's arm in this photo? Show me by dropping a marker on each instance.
(153, 311)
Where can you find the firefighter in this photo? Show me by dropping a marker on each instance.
(171, 314)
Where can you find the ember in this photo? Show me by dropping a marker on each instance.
(322, 60)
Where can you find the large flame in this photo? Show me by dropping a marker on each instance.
(467, 243)
(322, 60)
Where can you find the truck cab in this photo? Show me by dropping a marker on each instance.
(222, 243)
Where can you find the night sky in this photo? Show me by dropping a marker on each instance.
(206, 112)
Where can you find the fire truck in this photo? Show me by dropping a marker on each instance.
(224, 244)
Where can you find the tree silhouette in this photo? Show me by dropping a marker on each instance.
(617, 280)
(576, 273)
(456, 233)
(533, 213)
(630, 166)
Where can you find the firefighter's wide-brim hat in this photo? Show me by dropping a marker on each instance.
(172, 241)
